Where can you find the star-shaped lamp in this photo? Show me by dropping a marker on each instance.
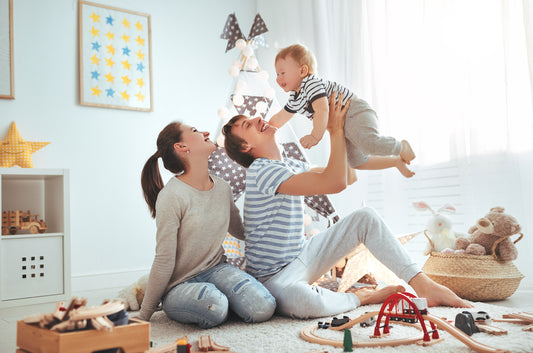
(15, 151)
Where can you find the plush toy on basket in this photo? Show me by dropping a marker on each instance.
(491, 235)
(439, 229)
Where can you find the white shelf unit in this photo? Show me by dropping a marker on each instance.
(35, 268)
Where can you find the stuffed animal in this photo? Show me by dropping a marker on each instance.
(439, 228)
(495, 226)
(133, 295)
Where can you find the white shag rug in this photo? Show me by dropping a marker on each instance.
(281, 334)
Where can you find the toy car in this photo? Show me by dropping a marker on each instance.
(368, 322)
(339, 322)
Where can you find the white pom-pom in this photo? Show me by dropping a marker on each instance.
(252, 63)
(307, 219)
(314, 231)
(238, 100)
(233, 71)
(220, 140)
(248, 51)
(223, 113)
(269, 93)
(261, 107)
(263, 75)
(240, 86)
(240, 44)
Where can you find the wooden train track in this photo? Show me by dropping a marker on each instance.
(307, 333)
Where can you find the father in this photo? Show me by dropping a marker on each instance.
(277, 253)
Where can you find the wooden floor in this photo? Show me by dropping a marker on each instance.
(8, 317)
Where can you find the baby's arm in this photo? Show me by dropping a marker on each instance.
(320, 122)
(279, 119)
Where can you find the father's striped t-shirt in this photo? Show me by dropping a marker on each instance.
(312, 88)
(273, 222)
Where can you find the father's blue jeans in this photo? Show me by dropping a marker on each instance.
(206, 299)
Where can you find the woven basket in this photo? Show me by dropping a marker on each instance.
(474, 277)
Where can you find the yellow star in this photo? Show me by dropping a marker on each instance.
(126, 23)
(140, 97)
(109, 77)
(109, 62)
(110, 49)
(140, 40)
(95, 17)
(94, 32)
(96, 91)
(126, 80)
(125, 96)
(110, 35)
(15, 151)
(140, 82)
(125, 38)
(126, 64)
(140, 55)
(95, 60)
(139, 26)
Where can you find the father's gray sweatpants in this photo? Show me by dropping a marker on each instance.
(296, 297)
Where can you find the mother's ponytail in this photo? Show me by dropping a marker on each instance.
(151, 180)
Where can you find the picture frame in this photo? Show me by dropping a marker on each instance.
(115, 57)
(7, 79)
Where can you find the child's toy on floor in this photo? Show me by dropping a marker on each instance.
(182, 345)
(438, 229)
(518, 318)
(133, 295)
(347, 342)
(465, 322)
(491, 235)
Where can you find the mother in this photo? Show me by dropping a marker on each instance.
(193, 212)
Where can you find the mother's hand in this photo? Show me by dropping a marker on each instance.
(337, 113)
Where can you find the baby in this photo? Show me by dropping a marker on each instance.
(366, 148)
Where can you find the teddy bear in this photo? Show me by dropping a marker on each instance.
(133, 295)
(489, 229)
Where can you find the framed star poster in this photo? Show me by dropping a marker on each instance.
(7, 82)
(115, 57)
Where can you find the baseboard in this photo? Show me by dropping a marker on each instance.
(96, 281)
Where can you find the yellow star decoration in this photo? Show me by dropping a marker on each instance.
(139, 26)
(96, 91)
(125, 95)
(109, 62)
(126, 64)
(140, 55)
(109, 77)
(125, 38)
(126, 80)
(15, 151)
(140, 97)
(110, 35)
(95, 60)
(95, 17)
(126, 23)
(140, 40)
(95, 32)
(110, 49)
(140, 82)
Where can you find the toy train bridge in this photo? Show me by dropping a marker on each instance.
(401, 307)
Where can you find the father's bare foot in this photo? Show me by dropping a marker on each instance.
(367, 296)
(435, 293)
(402, 167)
(407, 153)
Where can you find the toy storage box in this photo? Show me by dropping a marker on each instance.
(131, 338)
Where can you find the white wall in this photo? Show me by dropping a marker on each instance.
(105, 149)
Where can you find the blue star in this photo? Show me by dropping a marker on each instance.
(109, 20)
(140, 67)
(126, 51)
(96, 46)
(95, 75)
(110, 92)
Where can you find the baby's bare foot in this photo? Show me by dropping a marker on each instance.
(407, 153)
(402, 167)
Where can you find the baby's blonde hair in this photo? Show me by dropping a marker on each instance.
(300, 54)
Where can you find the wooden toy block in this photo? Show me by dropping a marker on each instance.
(131, 338)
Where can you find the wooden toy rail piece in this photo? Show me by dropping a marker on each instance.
(205, 344)
(523, 318)
(308, 334)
